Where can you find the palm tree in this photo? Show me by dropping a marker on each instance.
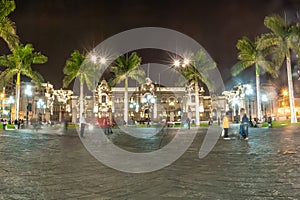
(19, 63)
(248, 56)
(124, 68)
(281, 41)
(195, 72)
(78, 67)
(7, 27)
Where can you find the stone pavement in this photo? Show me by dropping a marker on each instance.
(48, 165)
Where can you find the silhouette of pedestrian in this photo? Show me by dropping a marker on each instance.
(188, 121)
(244, 126)
(226, 127)
(82, 125)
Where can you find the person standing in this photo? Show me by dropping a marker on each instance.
(270, 122)
(226, 127)
(82, 125)
(16, 124)
(109, 125)
(244, 126)
(188, 121)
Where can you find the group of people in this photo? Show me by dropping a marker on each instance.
(17, 123)
(243, 131)
(104, 122)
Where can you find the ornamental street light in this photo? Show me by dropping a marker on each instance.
(184, 63)
(28, 93)
(148, 100)
(40, 104)
(96, 60)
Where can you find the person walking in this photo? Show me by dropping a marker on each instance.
(82, 125)
(244, 126)
(188, 121)
(109, 124)
(226, 127)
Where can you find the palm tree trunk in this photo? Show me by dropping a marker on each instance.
(126, 101)
(197, 103)
(81, 102)
(291, 89)
(18, 94)
(258, 92)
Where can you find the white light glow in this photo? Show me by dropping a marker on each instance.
(94, 59)
(102, 60)
(176, 63)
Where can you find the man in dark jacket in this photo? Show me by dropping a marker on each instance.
(245, 124)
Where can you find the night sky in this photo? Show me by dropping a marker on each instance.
(57, 27)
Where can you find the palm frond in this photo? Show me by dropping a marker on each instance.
(6, 61)
(68, 79)
(6, 7)
(138, 75)
(35, 76)
(38, 58)
(267, 66)
(241, 66)
(267, 40)
(276, 24)
(124, 67)
(6, 76)
(8, 33)
(73, 68)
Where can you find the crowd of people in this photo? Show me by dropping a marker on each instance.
(17, 123)
(245, 123)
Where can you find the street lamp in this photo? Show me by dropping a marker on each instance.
(10, 101)
(249, 92)
(264, 99)
(40, 105)
(102, 61)
(184, 63)
(148, 100)
(28, 94)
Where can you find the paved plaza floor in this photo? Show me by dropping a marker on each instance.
(51, 164)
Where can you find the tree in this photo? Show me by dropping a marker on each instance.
(7, 27)
(197, 71)
(281, 41)
(78, 67)
(126, 67)
(248, 56)
(19, 63)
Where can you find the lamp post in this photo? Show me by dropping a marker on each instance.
(264, 99)
(148, 100)
(28, 94)
(249, 92)
(185, 63)
(96, 60)
(10, 101)
(40, 104)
